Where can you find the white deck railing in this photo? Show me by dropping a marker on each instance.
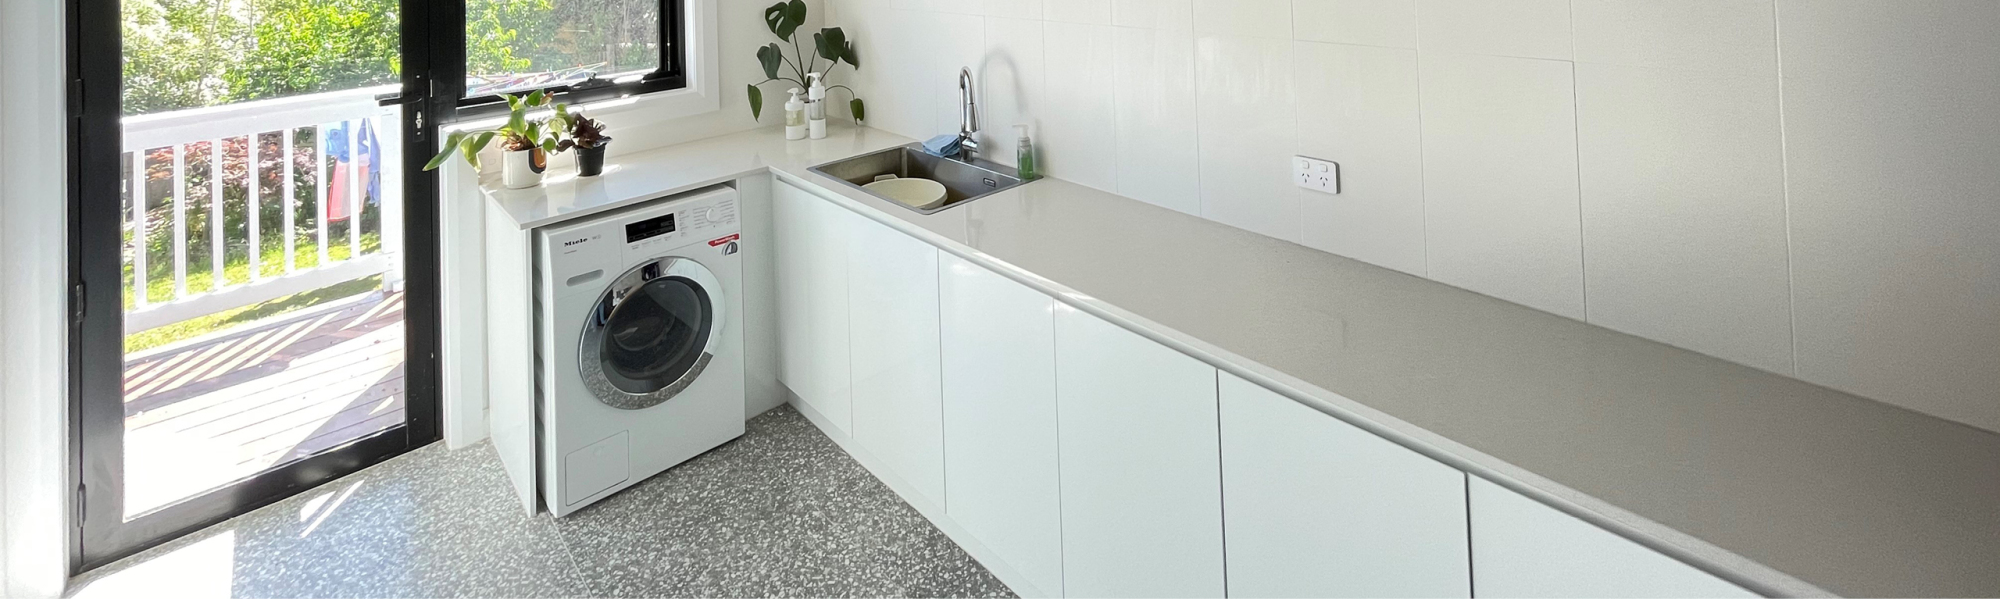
(180, 130)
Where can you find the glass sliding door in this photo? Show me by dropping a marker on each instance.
(254, 253)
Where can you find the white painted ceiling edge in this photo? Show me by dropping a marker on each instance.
(32, 242)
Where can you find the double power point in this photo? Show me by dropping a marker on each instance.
(1316, 174)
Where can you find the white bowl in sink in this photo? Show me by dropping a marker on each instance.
(922, 194)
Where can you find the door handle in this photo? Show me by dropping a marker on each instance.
(397, 100)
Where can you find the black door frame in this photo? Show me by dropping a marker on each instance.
(99, 534)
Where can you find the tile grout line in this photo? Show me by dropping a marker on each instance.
(1785, 187)
(1423, 180)
(1576, 139)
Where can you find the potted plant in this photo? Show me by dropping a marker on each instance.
(587, 136)
(830, 44)
(526, 143)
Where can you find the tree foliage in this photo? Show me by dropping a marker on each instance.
(183, 54)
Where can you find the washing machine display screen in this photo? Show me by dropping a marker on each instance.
(656, 334)
(649, 228)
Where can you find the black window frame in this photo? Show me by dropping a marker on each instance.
(671, 75)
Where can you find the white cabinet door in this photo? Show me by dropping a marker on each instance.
(893, 322)
(1141, 481)
(1521, 548)
(1315, 507)
(812, 237)
(1000, 419)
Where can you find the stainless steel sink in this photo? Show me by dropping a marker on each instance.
(964, 181)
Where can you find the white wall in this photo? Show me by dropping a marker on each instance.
(31, 299)
(3, 355)
(1804, 186)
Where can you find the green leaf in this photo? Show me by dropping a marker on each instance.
(516, 122)
(480, 141)
(860, 111)
(548, 146)
(756, 103)
(449, 147)
(832, 43)
(771, 57)
(470, 148)
(513, 101)
(796, 13)
(784, 18)
(537, 98)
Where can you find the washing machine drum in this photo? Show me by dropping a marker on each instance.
(651, 333)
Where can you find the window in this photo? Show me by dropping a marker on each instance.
(584, 49)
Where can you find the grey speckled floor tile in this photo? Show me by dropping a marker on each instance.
(780, 512)
(432, 523)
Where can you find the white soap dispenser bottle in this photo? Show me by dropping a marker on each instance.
(795, 116)
(816, 107)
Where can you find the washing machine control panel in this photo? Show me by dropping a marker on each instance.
(688, 223)
(581, 258)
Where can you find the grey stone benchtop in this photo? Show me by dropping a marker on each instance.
(1782, 486)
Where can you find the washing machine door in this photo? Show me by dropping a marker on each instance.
(651, 333)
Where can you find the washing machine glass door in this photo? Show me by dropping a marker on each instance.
(651, 333)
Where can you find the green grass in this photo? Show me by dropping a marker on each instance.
(235, 317)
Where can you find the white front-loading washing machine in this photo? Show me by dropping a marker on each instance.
(639, 343)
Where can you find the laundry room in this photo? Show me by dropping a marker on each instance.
(999, 298)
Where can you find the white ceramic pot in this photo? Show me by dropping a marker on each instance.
(523, 168)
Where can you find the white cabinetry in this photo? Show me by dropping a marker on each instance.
(1315, 507)
(1000, 419)
(1141, 480)
(1521, 548)
(892, 292)
(1094, 462)
(812, 239)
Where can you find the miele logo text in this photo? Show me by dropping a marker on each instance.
(570, 243)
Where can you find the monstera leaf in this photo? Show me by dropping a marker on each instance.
(833, 45)
(784, 18)
(860, 111)
(756, 102)
(771, 57)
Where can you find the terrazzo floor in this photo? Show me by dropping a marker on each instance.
(781, 511)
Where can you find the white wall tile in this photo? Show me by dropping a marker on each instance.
(1500, 179)
(1893, 171)
(1015, 9)
(1524, 28)
(1243, 89)
(1253, 18)
(1722, 36)
(962, 7)
(1172, 15)
(897, 76)
(1684, 210)
(953, 42)
(1010, 85)
(1079, 137)
(1094, 12)
(1154, 75)
(1389, 23)
(1357, 106)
